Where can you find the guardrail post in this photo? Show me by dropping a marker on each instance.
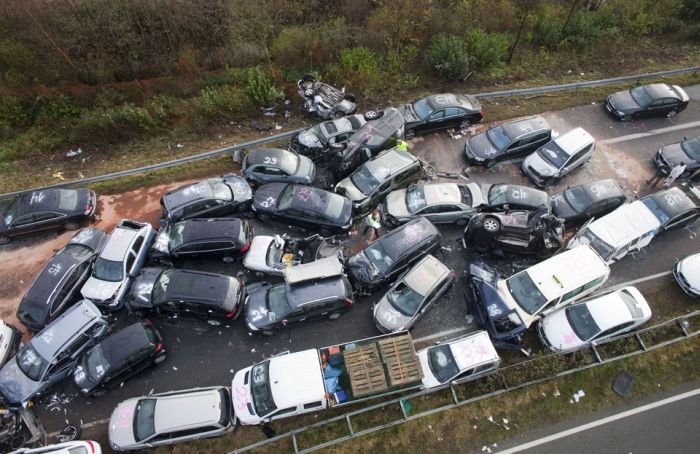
(347, 419)
(403, 410)
(294, 441)
(683, 324)
(597, 355)
(503, 379)
(641, 342)
(454, 394)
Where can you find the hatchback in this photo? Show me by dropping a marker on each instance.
(556, 159)
(172, 417)
(57, 285)
(274, 165)
(412, 295)
(210, 198)
(507, 141)
(118, 357)
(580, 203)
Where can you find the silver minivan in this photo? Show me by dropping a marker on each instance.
(559, 157)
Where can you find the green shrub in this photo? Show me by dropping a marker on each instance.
(261, 90)
(587, 28)
(546, 30)
(221, 101)
(18, 65)
(486, 49)
(112, 125)
(60, 107)
(361, 62)
(231, 76)
(13, 113)
(449, 57)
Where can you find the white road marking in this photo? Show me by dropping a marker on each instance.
(652, 132)
(440, 334)
(600, 422)
(641, 279)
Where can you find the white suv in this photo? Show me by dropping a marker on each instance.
(118, 264)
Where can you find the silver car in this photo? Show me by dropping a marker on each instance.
(559, 157)
(118, 264)
(172, 417)
(412, 295)
(440, 202)
(273, 254)
(274, 165)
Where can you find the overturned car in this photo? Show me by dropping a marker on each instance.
(323, 100)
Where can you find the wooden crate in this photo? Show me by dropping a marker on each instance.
(402, 364)
(365, 370)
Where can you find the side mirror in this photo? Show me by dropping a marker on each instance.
(367, 152)
(506, 206)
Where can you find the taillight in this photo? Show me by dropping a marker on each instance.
(88, 208)
(159, 347)
(233, 312)
(453, 275)
(482, 112)
(90, 445)
(245, 247)
(348, 301)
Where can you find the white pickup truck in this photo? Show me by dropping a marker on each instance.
(311, 380)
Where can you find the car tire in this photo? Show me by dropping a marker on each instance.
(462, 222)
(464, 124)
(228, 259)
(334, 316)
(268, 332)
(482, 247)
(372, 115)
(409, 134)
(672, 114)
(626, 118)
(338, 114)
(492, 224)
(4, 239)
(159, 359)
(349, 97)
(71, 226)
(264, 217)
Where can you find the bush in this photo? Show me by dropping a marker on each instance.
(486, 49)
(449, 57)
(260, 89)
(546, 30)
(227, 101)
(587, 28)
(57, 108)
(12, 113)
(112, 125)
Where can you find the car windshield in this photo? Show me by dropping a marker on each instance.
(316, 131)
(415, 199)
(97, 364)
(442, 363)
(692, 148)
(422, 108)
(498, 138)
(641, 96)
(334, 208)
(220, 190)
(67, 199)
(553, 154)
(144, 421)
(160, 288)
(525, 293)
(31, 362)
(274, 253)
(260, 389)
(107, 270)
(404, 299)
(604, 250)
(582, 322)
(364, 180)
(577, 199)
(379, 257)
(78, 251)
(285, 198)
(656, 209)
(497, 194)
(277, 302)
(10, 212)
(177, 236)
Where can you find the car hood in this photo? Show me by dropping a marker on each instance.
(256, 257)
(80, 376)
(674, 154)
(140, 294)
(690, 269)
(558, 332)
(623, 101)
(539, 165)
(408, 113)
(16, 387)
(395, 203)
(98, 290)
(361, 270)
(121, 425)
(561, 208)
(309, 139)
(429, 380)
(306, 170)
(242, 397)
(386, 316)
(349, 190)
(265, 197)
(256, 312)
(481, 147)
(240, 188)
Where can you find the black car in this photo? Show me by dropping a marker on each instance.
(314, 290)
(441, 111)
(520, 232)
(118, 357)
(675, 207)
(227, 237)
(210, 198)
(45, 210)
(507, 141)
(654, 100)
(316, 141)
(386, 257)
(186, 292)
(687, 152)
(59, 283)
(503, 197)
(580, 203)
(384, 131)
(275, 165)
(304, 206)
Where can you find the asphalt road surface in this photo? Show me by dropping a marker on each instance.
(201, 354)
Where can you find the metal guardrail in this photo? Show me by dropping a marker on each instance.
(288, 134)
(555, 365)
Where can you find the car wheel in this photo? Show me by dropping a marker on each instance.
(268, 332)
(482, 246)
(462, 222)
(492, 225)
(338, 114)
(334, 316)
(371, 115)
(464, 124)
(227, 259)
(490, 164)
(4, 239)
(159, 359)
(671, 114)
(71, 226)
(100, 393)
(349, 97)
(626, 118)
(409, 134)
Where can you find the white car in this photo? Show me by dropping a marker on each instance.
(687, 274)
(463, 359)
(118, 264)
(69, 447)
(273, 254)
(594, 319)
(8, 341)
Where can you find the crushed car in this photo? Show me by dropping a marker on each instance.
(324, 100)
(317, 141)
(271, 255)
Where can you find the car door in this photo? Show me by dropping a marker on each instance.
(574, 161)
(48, 220)
(433, 122)
(681, 220)
(70, 288)
(614, 331)
(25, 224)
(453, 117)
(660, 107)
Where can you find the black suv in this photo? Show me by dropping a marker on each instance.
(388, 256)
(118, 357)
(58, 284)
(186, 292)
(227, 237)
(519, 232)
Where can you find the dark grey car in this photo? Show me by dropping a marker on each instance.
(317, 141)
(687, 152)
(52, 354)
(274, 165)
(507, 141)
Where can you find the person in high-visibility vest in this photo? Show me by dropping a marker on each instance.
(401, 145)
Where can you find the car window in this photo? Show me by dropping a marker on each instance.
(525, 293)
(285, 411)
(46, 216)
(567, 296)
(498, 138)
(404, 299)
(144, 423)
(130, 260)
(681, 219)
(24, 220)
(31, 362)
(553, 154)
(415, 198)
(108, 270)
(137, 244)
(193, 208)
(641, 96)
(453, 112)
(313, 405)
(442, 363)
(437, 116)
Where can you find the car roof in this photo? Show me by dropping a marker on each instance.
(657, 91)
(473, 350)
(611, 309)
(318, 269)
(601, 189)
(426, 274)
(91, 237)
(285, 159)
(448, 100)
(311, 198)
(65, 327)
(44, 200)
(46, 282)
(206, 229)
(624, 224)
(195, 409)
(191, 192)
(518, 195)
(344, 124)
(572, 141)
(389, 162)
(296, 378)
(117, 347)
(396, 243)
(567, 271)
(440, 193)
(118, 243)
(212, 288)
(322, 289)
(517, 128)
(672, 201)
